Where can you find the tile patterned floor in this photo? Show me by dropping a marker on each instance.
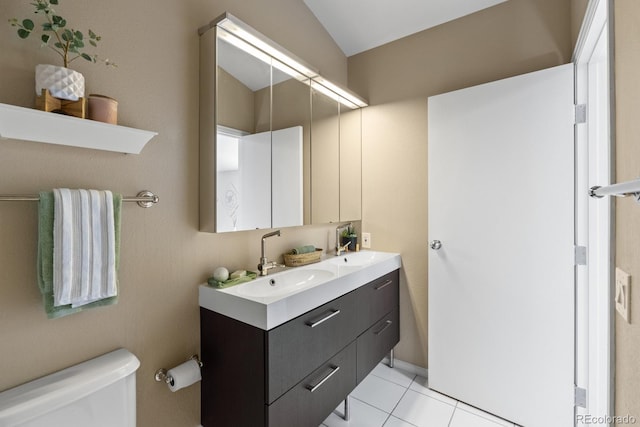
(395, 398)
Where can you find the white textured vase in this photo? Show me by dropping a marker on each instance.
(61, 82)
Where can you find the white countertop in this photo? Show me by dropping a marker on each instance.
(263, 305)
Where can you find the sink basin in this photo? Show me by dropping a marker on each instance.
(272, 300)
(348, 268)
(360, 259)
(283, 283)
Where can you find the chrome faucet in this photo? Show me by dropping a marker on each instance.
(340, 249)
(266, 265)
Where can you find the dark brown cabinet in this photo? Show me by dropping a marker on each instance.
(297, 373)
(312, 400)
(377, 298)
(299, 346)
(375, 343)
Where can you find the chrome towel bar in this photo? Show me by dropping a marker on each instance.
(145, 199)
(623, 189)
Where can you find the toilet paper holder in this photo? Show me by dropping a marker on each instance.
(161, 374)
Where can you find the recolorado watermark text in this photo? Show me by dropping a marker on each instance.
(608, 420)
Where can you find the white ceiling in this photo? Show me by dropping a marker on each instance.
(359, 25)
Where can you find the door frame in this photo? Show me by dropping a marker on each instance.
(594, 339)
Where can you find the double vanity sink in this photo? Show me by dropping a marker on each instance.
(285, 349)
(271, 300)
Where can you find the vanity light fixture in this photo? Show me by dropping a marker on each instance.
(289, 71)
(238, 28)
(352, 100)
(251, 41)
(259, 54)
(331, 94)
(244, 46)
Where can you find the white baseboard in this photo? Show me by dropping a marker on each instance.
(408, 367)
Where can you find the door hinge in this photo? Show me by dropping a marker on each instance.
(580, 397)
(581, 113)
(580, 255)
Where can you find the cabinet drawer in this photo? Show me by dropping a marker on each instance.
(301, 345)
(376, 299)
(376, 342)
(313, 398)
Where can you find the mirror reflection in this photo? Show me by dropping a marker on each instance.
(291, 145)
(325, 158)
(259, 152)
(350, 164)
(243, 141)
(272, 139)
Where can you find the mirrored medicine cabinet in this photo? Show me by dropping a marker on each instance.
(280, 146)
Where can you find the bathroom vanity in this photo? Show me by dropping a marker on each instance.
(275, 366)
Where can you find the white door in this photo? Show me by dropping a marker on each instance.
(254, 198)
(286, 177)
(501, 285)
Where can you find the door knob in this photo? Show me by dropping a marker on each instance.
(435, 244)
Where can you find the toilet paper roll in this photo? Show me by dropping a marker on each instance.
(184, 375)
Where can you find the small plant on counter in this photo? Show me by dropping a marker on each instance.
(350, 231)
(350, 236)
(57, 36)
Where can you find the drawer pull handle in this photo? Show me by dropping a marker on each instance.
(313, 388)
(324, 319)
(384, 285)
(386, 325)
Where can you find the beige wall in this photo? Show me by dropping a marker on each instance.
(512, 38)
(164, 257)
(237, 103)
(627, 64)
(578, 9)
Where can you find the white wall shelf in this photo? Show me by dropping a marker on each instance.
(34, 125)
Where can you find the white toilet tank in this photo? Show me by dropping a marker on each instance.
(100, 392)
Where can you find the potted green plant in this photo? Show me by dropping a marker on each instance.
(69, 43)
(349, 235)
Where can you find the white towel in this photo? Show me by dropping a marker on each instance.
(83, 247)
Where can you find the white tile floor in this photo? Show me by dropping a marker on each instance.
(395, 398)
